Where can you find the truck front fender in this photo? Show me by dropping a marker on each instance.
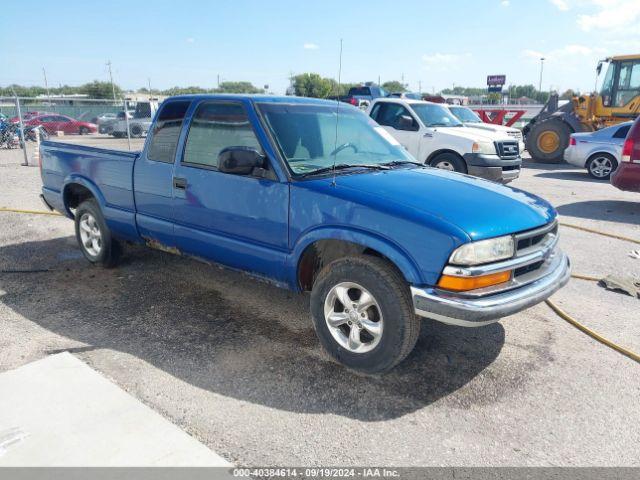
(368, 240)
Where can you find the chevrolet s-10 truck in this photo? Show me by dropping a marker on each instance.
(313, 195)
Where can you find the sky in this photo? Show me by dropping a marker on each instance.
(433, 44)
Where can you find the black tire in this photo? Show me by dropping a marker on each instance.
(605, 160)
(110, 250)
(447, 161)
(83, 131)
(554, 129)
(136, 131)
(400, 327)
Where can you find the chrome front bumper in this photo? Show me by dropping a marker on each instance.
(463, 310)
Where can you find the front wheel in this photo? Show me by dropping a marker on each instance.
(94, 236)
(449, 161)
(547, 140)
(363, 314)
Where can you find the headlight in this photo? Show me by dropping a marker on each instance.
(484, 147)
(484, 251)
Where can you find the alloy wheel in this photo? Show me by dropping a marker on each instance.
(353, 317)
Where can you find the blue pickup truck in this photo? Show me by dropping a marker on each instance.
(314, 196)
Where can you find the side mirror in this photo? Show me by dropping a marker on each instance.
(240, 160)
(405, 122)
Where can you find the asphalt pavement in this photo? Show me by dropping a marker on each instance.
(235, 363)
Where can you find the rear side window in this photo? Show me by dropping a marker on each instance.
(214, 127)
(166, 132)
(622, 132)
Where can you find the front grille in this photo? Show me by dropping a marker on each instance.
(526, 241)
(507, 149)
(541, 239)
(507, 168)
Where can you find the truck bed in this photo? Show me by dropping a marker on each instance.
(107, 173)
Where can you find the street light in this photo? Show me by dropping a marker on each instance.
(541, 69)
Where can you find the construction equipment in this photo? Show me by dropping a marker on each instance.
(547, 134)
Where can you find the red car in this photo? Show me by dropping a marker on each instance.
(26, 116)
(627, 176)
(53, 122)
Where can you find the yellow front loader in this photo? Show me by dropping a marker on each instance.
(547, 134)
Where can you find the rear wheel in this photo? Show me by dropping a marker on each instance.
(363, 314)
(547, 140)
(94, 236)
(601, 165)
(449, 161)
(83, 130)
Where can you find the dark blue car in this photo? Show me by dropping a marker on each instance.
(315, 196)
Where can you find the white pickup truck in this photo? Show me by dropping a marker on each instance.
(471, 119)
(433, 135)
(140, 123)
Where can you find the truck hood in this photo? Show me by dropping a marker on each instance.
(472, 134)
(501, 129)
(479, 208)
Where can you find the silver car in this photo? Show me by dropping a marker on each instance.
(599, 152)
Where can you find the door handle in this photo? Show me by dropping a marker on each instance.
(180, 183)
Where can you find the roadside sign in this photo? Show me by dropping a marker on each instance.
(494, 80)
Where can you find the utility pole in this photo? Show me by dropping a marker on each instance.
(541, 70)
(149, 83)
(113, 88)
(419, 86)
(46, 85)
(218, 80)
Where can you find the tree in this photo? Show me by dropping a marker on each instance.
(238, 87)
(98, 89)
(313, 85)
(185, 90)
(568, 94)
(393, 86)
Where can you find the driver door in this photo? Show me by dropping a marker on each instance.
(237, 220)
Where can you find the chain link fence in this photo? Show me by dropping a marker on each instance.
(101, 122)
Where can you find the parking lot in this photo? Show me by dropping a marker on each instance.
(236, 364)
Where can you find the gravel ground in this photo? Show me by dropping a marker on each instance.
(235, 362)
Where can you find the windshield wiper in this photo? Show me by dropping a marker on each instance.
(343, 166)
(403, 162)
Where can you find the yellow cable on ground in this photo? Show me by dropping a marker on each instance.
(30, 212)
(591, 230)
(565, 316)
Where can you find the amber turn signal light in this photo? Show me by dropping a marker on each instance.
(461, 284)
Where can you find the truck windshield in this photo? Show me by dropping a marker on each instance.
(433, 115)
(314, 137)
(465, 114)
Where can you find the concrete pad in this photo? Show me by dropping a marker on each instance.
(59, 412)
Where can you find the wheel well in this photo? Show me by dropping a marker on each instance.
(75, 194)
(323, 252)
(440, 152)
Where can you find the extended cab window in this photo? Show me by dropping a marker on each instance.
(214, 127)
(166, 132)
